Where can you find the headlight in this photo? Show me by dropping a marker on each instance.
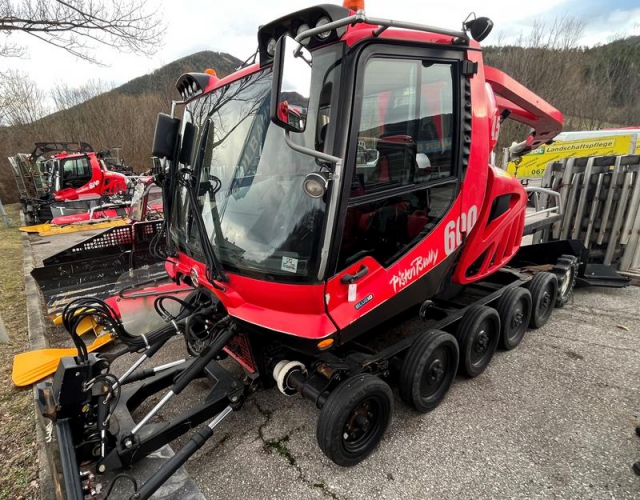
(321, 22)
(315, 184)
(301, 29)
(271, 47)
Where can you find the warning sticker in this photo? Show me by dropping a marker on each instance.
(353, 292)
(289, 264)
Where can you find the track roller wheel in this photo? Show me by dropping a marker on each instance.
(478, 334)
(354, 418)
(429, 369)
(514, 309)
(544, 291)
(566, 270)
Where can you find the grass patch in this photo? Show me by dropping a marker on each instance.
(325, 489)
(280, 447)
(18, 448)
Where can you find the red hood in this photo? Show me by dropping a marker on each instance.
(66, 194)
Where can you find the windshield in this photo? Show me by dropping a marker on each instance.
(248, 182)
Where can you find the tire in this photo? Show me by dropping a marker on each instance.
(478, 334)
(544, 291)
(428, 370)
(566, 270)
(354, 418)
(514, 309)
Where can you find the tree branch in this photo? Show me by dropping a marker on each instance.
(81, 26)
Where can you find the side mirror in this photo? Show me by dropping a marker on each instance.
(291, 85)
(165, 137)
(188, 136)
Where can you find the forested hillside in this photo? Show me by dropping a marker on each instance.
(594, 87)
(121, 117)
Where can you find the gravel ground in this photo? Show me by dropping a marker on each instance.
(554, 418)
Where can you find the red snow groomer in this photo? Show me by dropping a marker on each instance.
(312, 198)
(83, 174)
(76, 179)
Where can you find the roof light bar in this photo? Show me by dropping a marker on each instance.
(192, 84)
(361, 17)
(298, 22)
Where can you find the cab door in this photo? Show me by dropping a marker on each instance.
(402, 177)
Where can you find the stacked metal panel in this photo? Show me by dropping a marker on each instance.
(600, 198)
(31, 181)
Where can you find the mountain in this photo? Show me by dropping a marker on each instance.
(224, 64)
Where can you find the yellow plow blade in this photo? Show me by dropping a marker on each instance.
(52, 230)
(87, 324)
(32, 366)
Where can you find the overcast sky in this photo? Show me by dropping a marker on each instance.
(231, 26)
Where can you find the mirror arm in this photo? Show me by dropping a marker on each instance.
(309, 151)
(173, 107)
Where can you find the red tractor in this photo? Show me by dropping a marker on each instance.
(305, 237)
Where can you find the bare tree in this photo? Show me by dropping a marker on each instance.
(81, 26)
(21, 100)
(549, 61)
(66, 97)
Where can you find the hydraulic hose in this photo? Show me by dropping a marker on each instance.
(76, 311)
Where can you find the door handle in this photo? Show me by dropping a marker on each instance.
(348, 279)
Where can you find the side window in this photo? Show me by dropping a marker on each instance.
(387, 228)
(404, 177)
(76, 172)
(406, 125)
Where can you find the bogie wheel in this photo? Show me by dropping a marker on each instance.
(429, 369)
(514, 308)
(566, 270)
(544, 291)
(478, 334)
(354, 418)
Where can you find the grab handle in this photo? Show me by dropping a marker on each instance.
(348, 279)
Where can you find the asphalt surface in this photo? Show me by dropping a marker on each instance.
(554, 418)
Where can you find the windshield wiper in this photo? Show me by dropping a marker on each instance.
(213, 264)
(231, 251)
(214, 186)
